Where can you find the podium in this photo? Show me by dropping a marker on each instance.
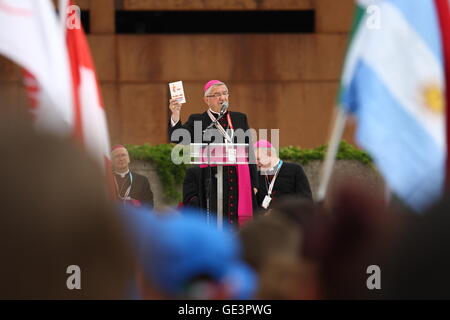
(218, 154)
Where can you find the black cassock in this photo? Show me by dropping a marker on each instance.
(140, 187)
(195, 186)
(290, 181)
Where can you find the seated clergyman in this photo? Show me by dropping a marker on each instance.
(130, 186)
(278, 178)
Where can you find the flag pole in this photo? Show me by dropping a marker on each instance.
(327, 167)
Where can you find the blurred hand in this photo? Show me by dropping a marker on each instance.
(175, 107)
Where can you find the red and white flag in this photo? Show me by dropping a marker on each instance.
(443, 11)
(59, 74)
(31, 36)
(90, 125)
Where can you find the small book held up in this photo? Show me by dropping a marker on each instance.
(177, 91)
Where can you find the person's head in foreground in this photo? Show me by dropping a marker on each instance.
(272, 246)
(418, 263)
(59, 236)
(181, 257)
(356, 236)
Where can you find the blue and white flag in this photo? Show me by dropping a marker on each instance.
(393, 83)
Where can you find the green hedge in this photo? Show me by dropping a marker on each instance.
(172, 175)
(345, 152)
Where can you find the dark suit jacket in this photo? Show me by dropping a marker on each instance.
(291, 180)
(192, 192)
(140, 188)
(239, 121)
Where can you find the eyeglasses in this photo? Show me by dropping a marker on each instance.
(218, 94)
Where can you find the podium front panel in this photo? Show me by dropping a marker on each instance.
(219, 153)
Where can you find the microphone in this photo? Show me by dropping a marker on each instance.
(222, 112)
(224, 108)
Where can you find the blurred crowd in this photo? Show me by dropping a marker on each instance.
(57, 212)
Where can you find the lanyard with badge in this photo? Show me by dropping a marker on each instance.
(127, 193)
(231, 153)
(267, 198)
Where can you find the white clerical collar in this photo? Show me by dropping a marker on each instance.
(271, 169)
(122, 175)
(211, 110)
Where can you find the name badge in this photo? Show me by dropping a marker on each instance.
(232, 155)
(266, 202)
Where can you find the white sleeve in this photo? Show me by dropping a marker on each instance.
(173, 122)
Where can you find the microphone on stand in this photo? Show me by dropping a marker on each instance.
(224, 108)
(222, 112)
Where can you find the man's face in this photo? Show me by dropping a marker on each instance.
(263, 157)
(120, 159)
(217, 97)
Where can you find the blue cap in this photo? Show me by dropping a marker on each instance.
(176, 249)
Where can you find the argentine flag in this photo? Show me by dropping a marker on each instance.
(393, 83)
